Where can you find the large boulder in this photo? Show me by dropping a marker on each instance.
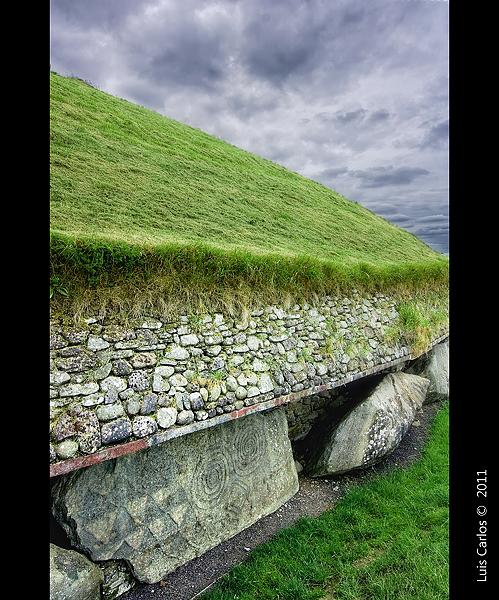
(373, 428)
(163, 506)
(434, 366)
(73, 576)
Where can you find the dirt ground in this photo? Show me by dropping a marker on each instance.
(314, 497)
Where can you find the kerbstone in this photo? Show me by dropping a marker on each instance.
(73, 576)
(434, 366)
(373, 428)
(161, 507)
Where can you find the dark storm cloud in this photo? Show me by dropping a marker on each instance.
(329, 174)
(379, 116)
(383, 176)
(352, 116)
(437, 136)
(281, 39)
(350, 93)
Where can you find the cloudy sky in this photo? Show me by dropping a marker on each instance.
(351, 93)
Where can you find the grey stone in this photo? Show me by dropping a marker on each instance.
(200, 415)
(142, 426)
(182, 400)
(278, 338)
(373, 428)
(121, 354)
(178, 380)
(126, 394)
(185, 417)
(157, 512)
(213, 350)
(166, 417)
(57, 341)
(288, 344)
(434, 366)
(253, 343)
(67, 449)
(108, 412)
(213, 340)
(265, 383)
(101, 372)
(87, 431)
(260, 366)
(58, 377)
(142, 360)
(321, 369)
(116, 431)
(149, 404)
(218, 364)
(196, 401)
(118, 383)
(96, 343)
(231, 383)
(64, 428)
(252, 391)
(240, 348)
(77, 364)
(122, 368)
(278, 377)
(133, 405)
(160, 381)
(236, 361)
(117, 579)
(151, 324)
(52, 455)
(139, 381)
(78, 389)
(252, 378)
(76, 337)
(177, 353)
(242, 379)
(73, 576)
(241, 393)
(215, 392)
(299, 466)
(111, 396)
(189, 340)
(115, 333)
(127, 345)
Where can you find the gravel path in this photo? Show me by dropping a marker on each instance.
(313, 498)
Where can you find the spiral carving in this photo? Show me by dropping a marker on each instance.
(250, 447)
(210, 479)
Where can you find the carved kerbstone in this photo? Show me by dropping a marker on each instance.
(161, 507)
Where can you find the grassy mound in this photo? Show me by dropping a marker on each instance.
(141, 201)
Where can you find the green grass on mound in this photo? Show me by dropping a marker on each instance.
(138, 199)
(386, 540)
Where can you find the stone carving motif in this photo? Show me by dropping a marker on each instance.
(161, 507)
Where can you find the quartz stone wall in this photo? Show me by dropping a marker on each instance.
(111, 384)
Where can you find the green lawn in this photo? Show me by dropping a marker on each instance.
(385, 540)
(137, 197)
